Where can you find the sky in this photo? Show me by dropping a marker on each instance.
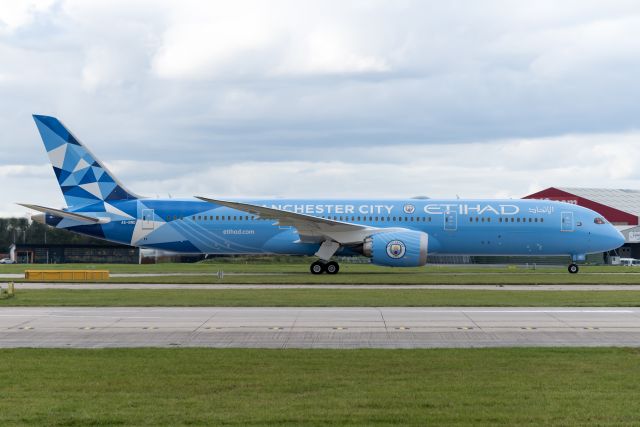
(324, 98)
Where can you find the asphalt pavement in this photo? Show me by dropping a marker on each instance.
(293, 327)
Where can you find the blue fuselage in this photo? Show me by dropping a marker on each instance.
(390, 232)
(469, 227)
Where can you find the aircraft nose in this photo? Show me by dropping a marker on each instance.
(618, 238)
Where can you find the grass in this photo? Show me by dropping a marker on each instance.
(571, 387)
(319, 298)
(247, 266)
(394, 277)
(358, 274)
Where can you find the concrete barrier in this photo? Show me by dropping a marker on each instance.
(65, 275)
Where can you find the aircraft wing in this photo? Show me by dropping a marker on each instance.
(310, 228)
(63, 214)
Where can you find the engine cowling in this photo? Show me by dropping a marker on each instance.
(397, 248)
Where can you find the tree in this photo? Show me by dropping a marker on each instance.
(20, 230)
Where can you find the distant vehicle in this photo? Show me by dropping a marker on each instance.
(630, 262)
(7, 261)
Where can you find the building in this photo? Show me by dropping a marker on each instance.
(84, 254)
(620, 207)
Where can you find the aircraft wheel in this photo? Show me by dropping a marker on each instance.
(317, 268)
(573, 268)
(332, 267)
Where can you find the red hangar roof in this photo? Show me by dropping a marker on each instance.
(619, 207)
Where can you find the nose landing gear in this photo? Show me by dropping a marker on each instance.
(320, 267)
(573, 268)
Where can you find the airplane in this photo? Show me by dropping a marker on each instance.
(390, 232)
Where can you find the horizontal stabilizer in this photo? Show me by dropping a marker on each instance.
(65, 214)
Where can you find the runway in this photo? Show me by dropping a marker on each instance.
(318, 327)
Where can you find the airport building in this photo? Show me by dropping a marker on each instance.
(620, 207)
(84, 254)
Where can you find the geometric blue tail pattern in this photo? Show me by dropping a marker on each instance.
(85, 182)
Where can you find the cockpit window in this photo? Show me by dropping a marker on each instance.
(599, 220)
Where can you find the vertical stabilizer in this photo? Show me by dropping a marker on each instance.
(83, 179)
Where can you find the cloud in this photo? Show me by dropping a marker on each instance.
(508, 169)
(17, 14)
(372, 98)
(248, 39)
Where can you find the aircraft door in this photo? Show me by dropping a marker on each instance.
(451, 221)
(147, 219)
(566, 221)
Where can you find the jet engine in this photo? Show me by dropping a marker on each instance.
(397, 248)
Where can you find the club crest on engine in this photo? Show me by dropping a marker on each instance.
(395, 249)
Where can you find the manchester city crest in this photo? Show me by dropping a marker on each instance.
(409, 208)
(395, 249)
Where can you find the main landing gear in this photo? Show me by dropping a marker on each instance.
(573, 268)
(320, 267)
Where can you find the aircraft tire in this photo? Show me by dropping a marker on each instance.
(317, 267)
(332, 267)
(573, 268)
